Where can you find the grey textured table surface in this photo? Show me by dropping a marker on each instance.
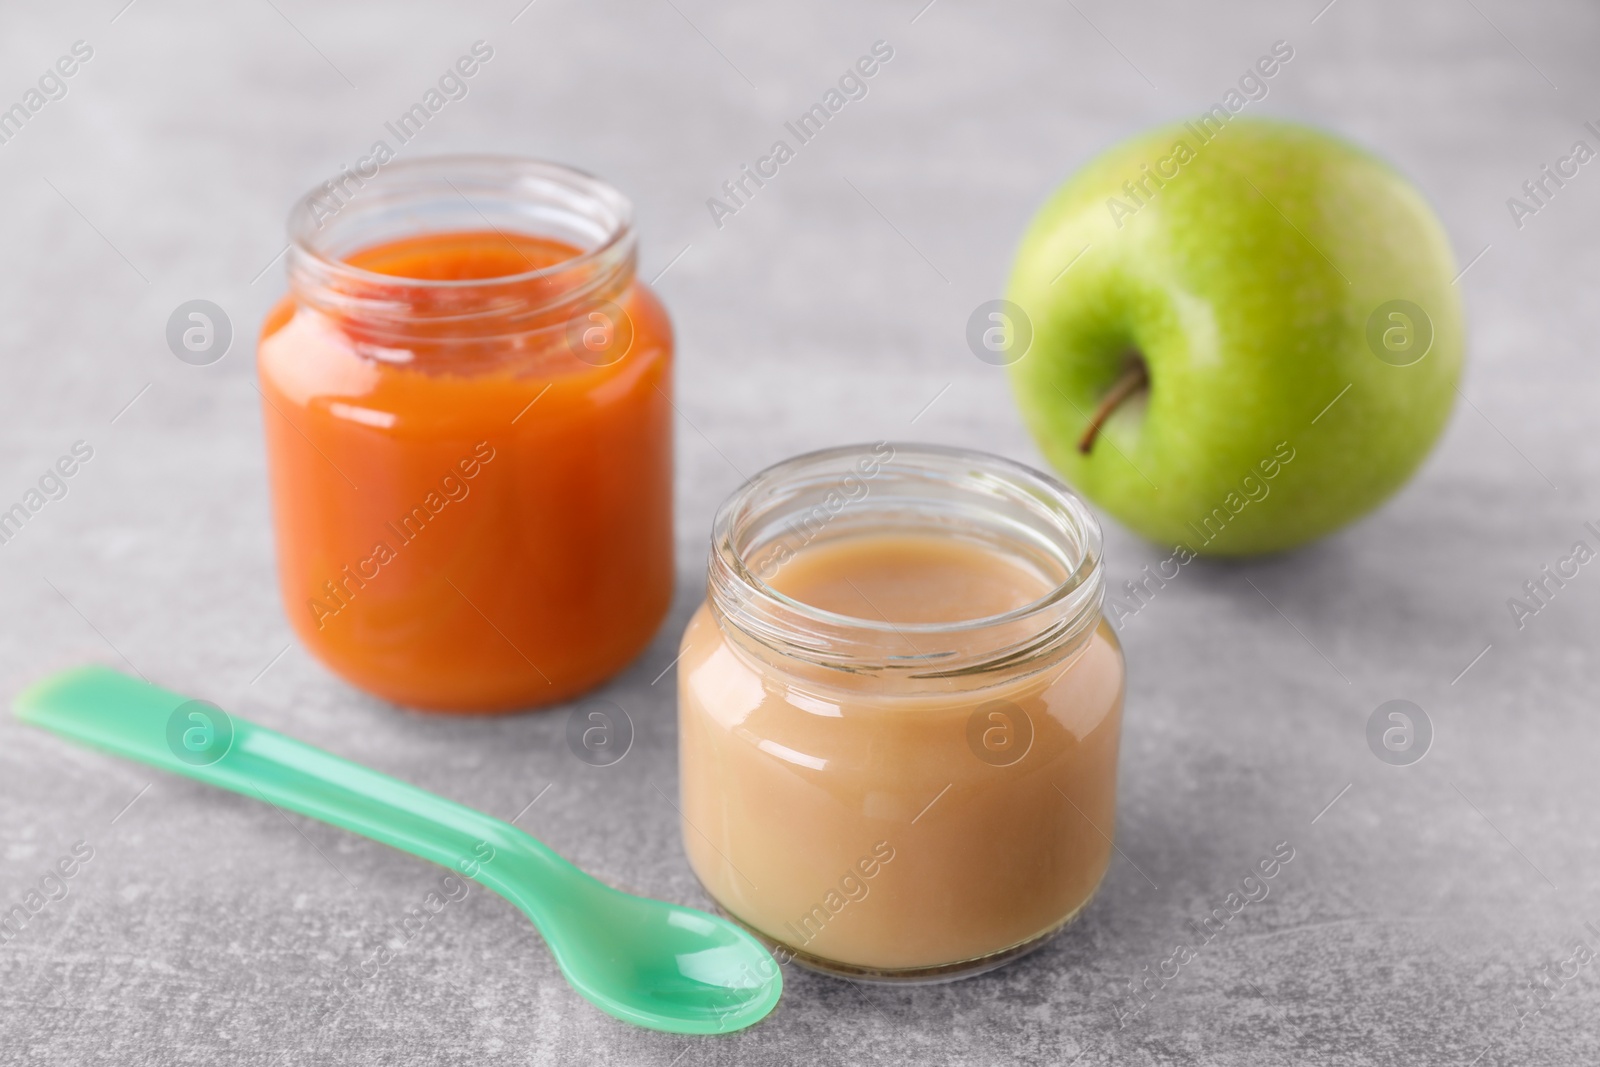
(1419, 908)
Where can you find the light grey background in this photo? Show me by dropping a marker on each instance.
(208, 929)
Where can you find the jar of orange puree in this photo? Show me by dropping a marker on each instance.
(469, 436)
(899, 711)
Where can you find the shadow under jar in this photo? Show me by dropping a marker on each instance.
(469, 438)
(899, 711)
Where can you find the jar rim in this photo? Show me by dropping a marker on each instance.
(1064, 521)
(304, 223)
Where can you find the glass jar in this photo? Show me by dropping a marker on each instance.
(466, 399)
(877, 794)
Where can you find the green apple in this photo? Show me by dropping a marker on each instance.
(1244, 334)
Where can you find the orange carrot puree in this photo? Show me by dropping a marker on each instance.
(469, 516)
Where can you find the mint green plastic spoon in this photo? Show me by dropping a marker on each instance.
(644, 961)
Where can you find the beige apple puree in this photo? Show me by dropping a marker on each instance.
(899, 711)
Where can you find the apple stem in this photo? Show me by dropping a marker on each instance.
(1135, 378)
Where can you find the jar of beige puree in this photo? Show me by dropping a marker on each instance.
(899, 710)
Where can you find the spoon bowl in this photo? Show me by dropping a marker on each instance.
(702, 971)
(647, 962)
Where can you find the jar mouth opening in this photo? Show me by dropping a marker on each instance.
(418, 192)
(899, 487)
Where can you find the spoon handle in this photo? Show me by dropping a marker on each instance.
(104, 709)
